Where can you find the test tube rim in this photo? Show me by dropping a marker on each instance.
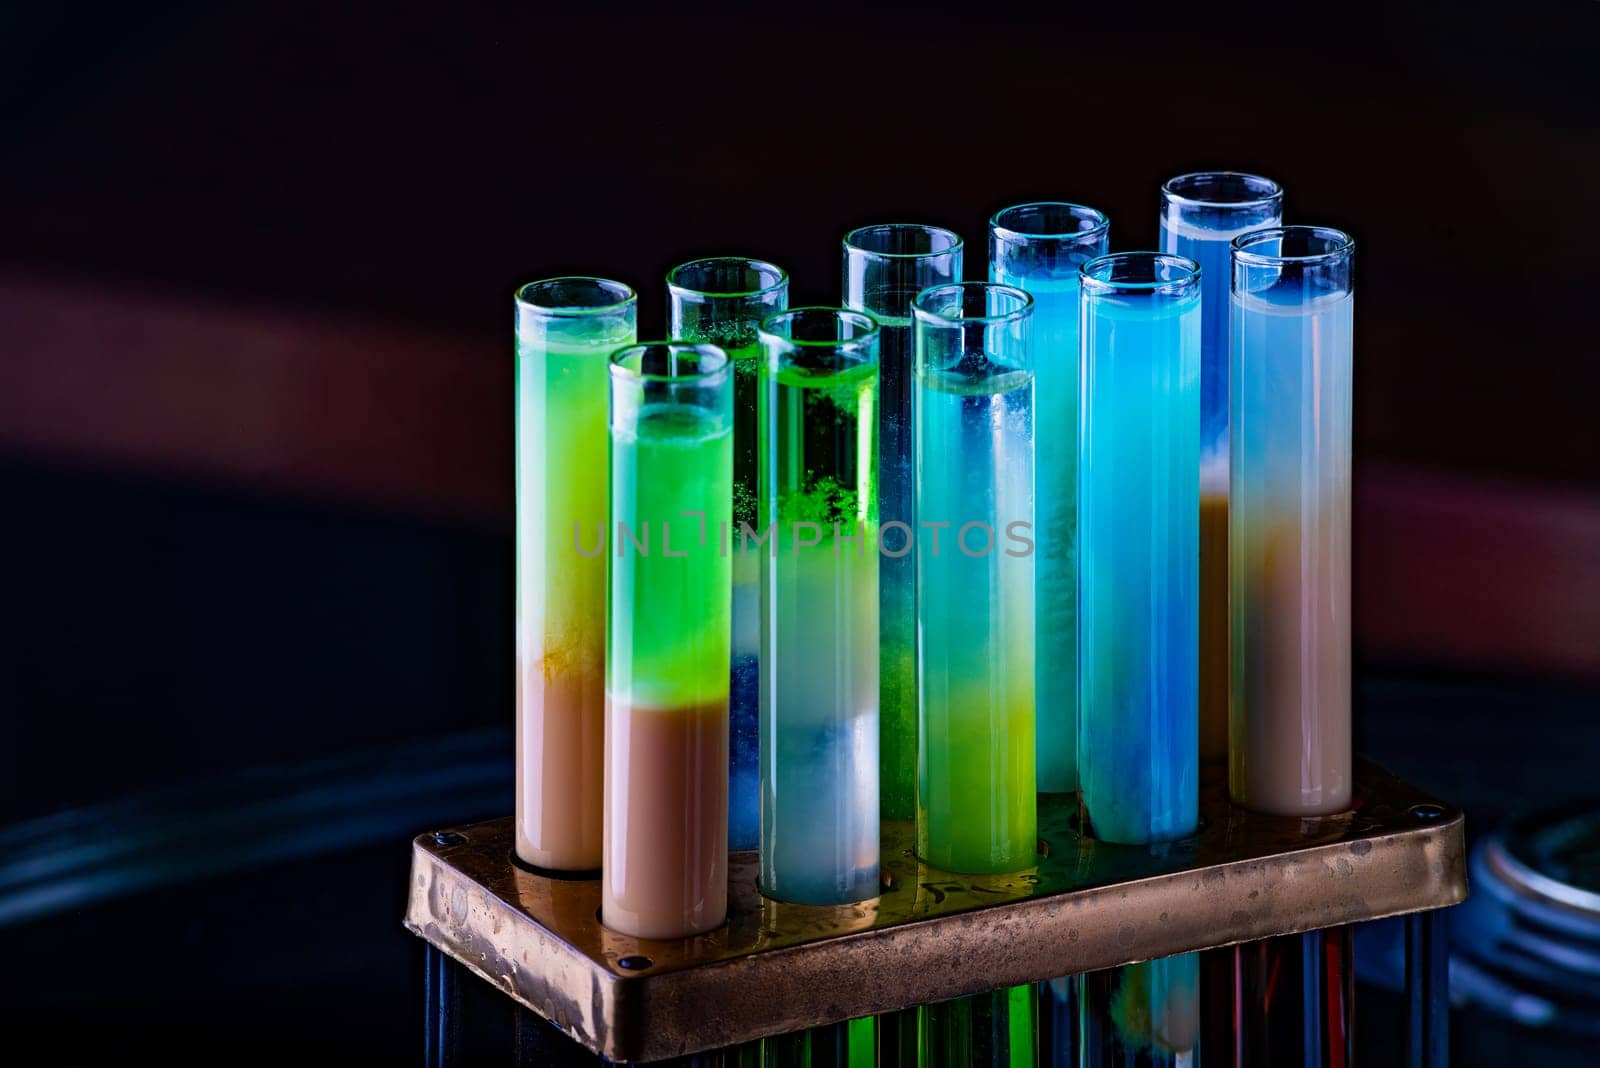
(1008, 233)
(707, 377)
(861, 350)
(782, 281)
(1273, 192)
(861, 318)
(1344, 245)
(956, 245)
(1017, 314)
(1163, 287)
(627, 297)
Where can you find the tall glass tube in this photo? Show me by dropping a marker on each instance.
(721, 301)
(567, 329)
(1200, 214)
(994, 1030)
(975, 611)
(842, 1045)
(1145, 1014)
(1058, 1022)
(1138, 533)
(1289, 531)
(665, 869)
(899, 1037)
(1039, 248)
(1285, 999)
(819, 607)
(885, 267)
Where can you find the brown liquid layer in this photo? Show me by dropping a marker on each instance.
(665, 873)
(560, 739)
(1290, 749)
(1213, 627)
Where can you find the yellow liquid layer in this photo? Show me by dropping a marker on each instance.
(976, 809)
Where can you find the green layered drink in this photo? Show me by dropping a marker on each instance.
(567, 329)
(666, 781)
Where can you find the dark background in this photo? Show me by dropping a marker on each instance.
(255, 273)
(396, 161)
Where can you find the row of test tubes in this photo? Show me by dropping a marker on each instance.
(931, 552)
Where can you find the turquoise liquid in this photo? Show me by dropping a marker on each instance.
(1138, 540)
(1055, 396)
(975, 621)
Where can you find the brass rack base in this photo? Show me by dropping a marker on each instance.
(932, 935)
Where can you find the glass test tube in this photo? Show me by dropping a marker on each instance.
(819, 607)
(994, 1030)
(899, 1036)
(1289, 530)
(1138, 532)
(885, 267)
(567, 329)
(974, 596)
(842, 1045)
(1145, 1014)
(665, 870)
(1039, 248)
(1057, 1000)
(1200, 214)
(721, 301)
(1289, 999)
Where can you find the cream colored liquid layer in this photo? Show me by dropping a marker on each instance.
(1291, 750)
(1289, 551)
(1214, 626)
(666, 821)
(560, 732)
